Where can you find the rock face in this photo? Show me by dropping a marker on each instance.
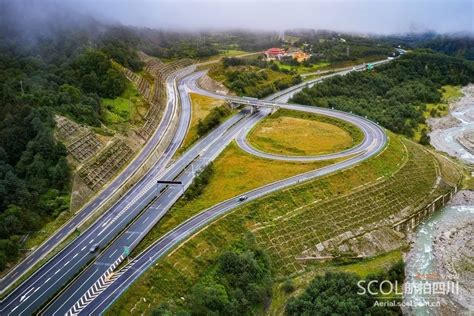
(453, 249)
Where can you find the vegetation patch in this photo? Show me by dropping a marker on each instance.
(237, 282)
(285, 223)
(340, 293)
(448, 94)
(394, 94)
(201, 108)
(296, 133)
(234, 172)
(124, 111)
(252, 77)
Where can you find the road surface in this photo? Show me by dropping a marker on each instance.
(374, 141)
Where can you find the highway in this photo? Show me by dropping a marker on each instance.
(48, 279)
(128, 221)
(374, 141)
(41, 251)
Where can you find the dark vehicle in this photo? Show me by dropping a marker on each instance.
(94, 248)
(243, 198)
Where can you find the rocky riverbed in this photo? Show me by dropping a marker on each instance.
(453, 250)
(442, 248)
(453, 133)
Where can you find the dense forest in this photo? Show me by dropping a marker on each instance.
(335, 47)
(253, 77)
(339, 294)
(394, 94)
(62, 74)
(238, 283)
(462, 47)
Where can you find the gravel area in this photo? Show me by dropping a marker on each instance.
(447, 131)
(453, 249)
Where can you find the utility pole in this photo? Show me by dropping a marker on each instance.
(347, 51)
(21, 85)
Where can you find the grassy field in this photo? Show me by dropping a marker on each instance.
(235, 172)
(449, 94)
(296, 133)
(124, 111)
(287, 222)
(300, 69)
(201, 106)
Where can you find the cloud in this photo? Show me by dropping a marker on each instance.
(372, 16)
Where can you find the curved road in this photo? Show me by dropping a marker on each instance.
(374, 141)
(50, 277)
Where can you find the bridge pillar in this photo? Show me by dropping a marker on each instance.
(253, 109)
(274, 109)
(233, 105)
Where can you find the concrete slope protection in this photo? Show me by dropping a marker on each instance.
(374, 141)
(41, 251)
(162, 198)
(47, 280)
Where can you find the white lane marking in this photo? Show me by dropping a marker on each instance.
(113, 253)
(90, 242)
(83, 248)
(24, 296)
(106, 222)
(75, 255)
(47, 280)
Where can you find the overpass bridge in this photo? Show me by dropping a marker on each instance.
(253, 103)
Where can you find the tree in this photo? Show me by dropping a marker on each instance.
(331, 294)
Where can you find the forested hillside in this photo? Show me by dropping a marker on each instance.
(462, 47)
(63, 74)
(394, 94)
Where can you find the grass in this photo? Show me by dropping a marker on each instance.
(300, 69)
(235, 172)
(295, 133)
(287, 222)
(201, 107)
(124, 111)
(449, 94)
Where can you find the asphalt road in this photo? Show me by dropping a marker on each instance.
(374, 142)
(152, 201)
(183, 170)
(48, 279)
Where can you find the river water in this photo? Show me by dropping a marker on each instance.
(435, 258)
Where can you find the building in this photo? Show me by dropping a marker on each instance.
(274, 53)
(300, 56)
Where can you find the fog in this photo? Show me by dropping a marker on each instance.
(361, 16)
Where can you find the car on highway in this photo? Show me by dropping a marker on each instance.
(243, 198)
(94, 248)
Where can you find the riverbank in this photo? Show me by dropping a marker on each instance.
(441, 256)
(452, 133)
(453, 251)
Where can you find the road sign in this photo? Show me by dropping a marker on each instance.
(168, 182)
(126, 250)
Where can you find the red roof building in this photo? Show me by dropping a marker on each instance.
(274, 53)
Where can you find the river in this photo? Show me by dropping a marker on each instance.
(442, 251)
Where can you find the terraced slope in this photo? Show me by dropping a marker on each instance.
(289, 224)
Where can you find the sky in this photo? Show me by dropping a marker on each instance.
(366, 16)
(359, 16)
